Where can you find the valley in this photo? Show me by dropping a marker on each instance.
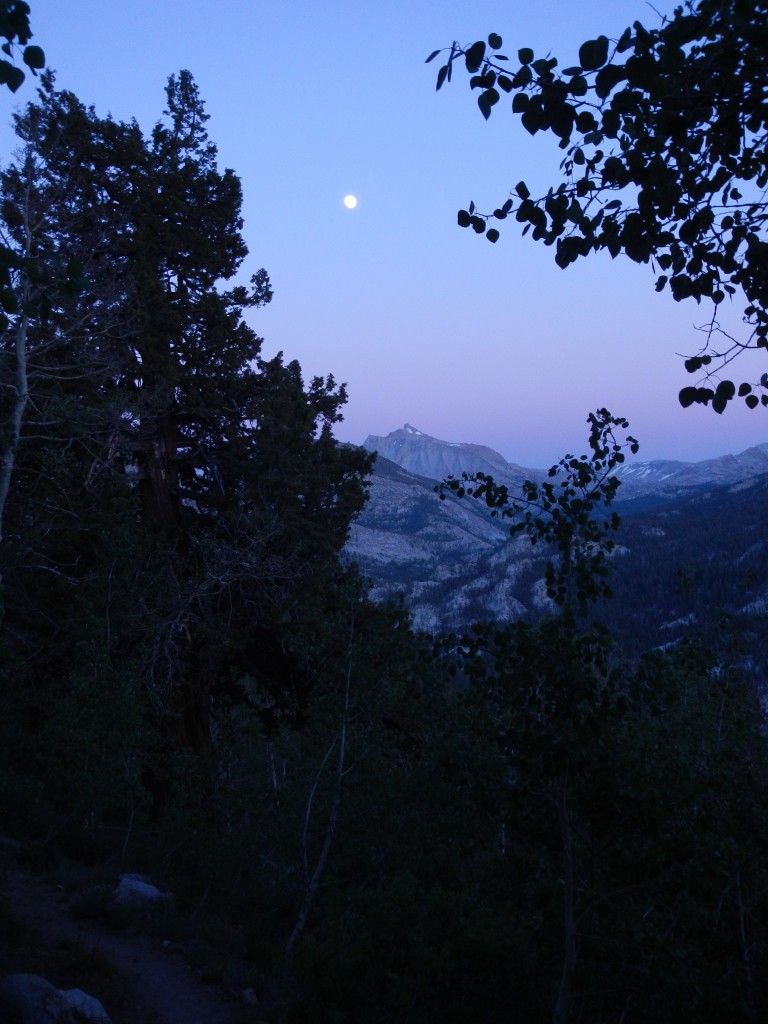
(692, 545)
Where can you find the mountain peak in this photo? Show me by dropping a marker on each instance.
(427, 456)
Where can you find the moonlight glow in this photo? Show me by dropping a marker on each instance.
(350, 202)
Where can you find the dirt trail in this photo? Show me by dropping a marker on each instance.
(158, 986)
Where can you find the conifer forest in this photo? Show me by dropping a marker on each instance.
(525, 822)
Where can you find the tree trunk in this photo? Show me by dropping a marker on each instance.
(159, 476)
(314, 881)
(21, 398)
(562, 1008)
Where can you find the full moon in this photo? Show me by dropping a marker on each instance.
(350, 202)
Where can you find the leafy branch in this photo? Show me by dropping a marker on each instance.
(562, 511)
(665, 134)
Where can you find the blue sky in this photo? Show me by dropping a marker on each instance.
(425, 322)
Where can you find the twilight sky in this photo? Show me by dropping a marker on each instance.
(312, 99)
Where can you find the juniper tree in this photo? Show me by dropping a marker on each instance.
(162, 450)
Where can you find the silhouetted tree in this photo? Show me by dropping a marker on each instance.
(664, 133)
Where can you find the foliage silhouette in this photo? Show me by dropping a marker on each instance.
(168, 481)
(562, 513)
(664, 132)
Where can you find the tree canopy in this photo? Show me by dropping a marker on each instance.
(142, 430)
(664, 132)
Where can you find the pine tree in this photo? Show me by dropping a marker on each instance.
(154, 455)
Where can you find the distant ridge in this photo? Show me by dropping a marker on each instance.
(667, 474)
(455, 564)
(426, 456)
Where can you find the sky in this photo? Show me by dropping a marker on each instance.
(426, 323)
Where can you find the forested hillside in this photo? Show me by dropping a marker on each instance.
(524, 820)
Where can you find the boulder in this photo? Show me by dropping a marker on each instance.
(84, 1008)
(30, 999)
(136, 899)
